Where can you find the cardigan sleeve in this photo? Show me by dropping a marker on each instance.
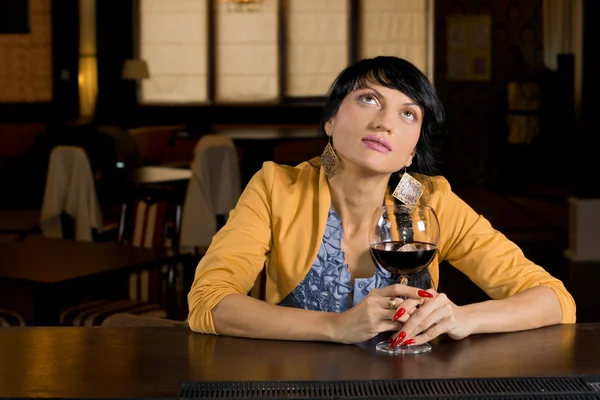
(236, 254)
(487, 257)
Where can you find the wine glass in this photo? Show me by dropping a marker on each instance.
(404, 240)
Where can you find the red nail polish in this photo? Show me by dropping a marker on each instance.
(399, 314)
(424, 293)
(409, 341)
(398, 340)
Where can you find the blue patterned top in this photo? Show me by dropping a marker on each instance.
(327, 286)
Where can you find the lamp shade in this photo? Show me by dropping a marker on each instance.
(135, 69)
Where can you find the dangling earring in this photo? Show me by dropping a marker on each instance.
(409, 190)
(330, 160)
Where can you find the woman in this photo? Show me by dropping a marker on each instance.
(309, 225)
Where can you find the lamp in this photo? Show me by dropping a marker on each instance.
(134, 69)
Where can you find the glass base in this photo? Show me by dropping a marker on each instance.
(384, 347)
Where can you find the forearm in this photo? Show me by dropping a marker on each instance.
(244, 316)
(533, 308)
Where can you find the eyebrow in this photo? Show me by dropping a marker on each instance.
(381, 95)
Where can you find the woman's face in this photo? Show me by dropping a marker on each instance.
(376, 128)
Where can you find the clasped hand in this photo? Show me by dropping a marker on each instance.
(421, 317)
(433, 317)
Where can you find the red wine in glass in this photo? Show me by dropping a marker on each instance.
(404, 240)
(403, 258)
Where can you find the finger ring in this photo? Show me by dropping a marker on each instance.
(392, 303)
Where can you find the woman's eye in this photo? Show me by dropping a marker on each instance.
(409, 114)
(368, 98)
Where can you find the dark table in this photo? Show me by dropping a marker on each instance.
(153, 362)
(41, 273)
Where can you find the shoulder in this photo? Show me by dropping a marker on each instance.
(436, 188)
(440, 186)
(439, 195)
(278, 176)
(448, 206)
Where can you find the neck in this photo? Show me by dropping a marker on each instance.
(355, 196)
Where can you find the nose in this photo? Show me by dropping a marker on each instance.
(383, 121)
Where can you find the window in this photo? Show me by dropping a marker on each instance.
(174, 42)
(316, 45)
(246, 54)
(395, 28)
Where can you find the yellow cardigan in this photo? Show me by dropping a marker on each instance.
(279, 223)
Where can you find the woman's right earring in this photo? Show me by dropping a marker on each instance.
(409, 190)
(329, 160)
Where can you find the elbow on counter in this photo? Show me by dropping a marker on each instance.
(192, 323)
(567, 304)
(199, 315)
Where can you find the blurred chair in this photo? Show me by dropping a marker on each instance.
(23, 163)
(96, 312)
(70, 193)
(212, 192)
(150, 219)
(295, 151)
(8, 237)
(159, 145)
(219, 166)
(10, 318)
